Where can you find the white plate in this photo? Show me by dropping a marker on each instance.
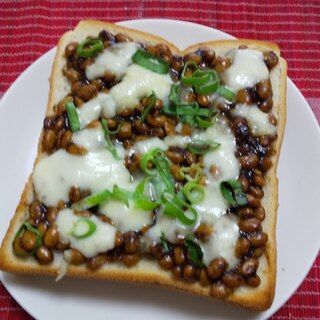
(298, 218)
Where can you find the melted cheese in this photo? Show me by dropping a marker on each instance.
(56, 174)
(258, 120)
(138, 83)
(246, 70)
(91, 139)
(222, 242)
(115, 59)
(91, 110)
(124, 218)
(177, 141)
(102, 240)
(146, 145)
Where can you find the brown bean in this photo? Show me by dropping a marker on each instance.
(260, 213)
(253, 281)
(125, 131)
(263, 89)
(208, 54)
(240, 127)
(204, 231)
(51, 237)
(163, 52)
(121, 37)
(157, 121)
(258, 180)
(42, 227)
(253, 201)
(242, 247)
(87, 91)
(266, 105)
(36, 210)
(244, 96)
(245, 212)
(74, 256)
(221, 64)
(49, 140)
(130, 259)
(266, 164)
(61, 107)
(233, 279)
(203, 278)
(175, 156)
(74, 194)
(141, 127)
(188, 272)
(70, 49)
(192, 57)
(249, 161)
(186, 130)
(258, 252)
(177, 63)
(60, 123)
(256, 191)
(118, 239)
(169, 129)
(220, 290)
(51, 214)
(97, 261)
(44, 255)
(270, 59)
(175, 170)
(29, 240)
(258, 239)
(66, 139)
(179, 255)
(244, 182)
(61, 246)
(272, 119)
(72, 74)
(76, 150)
(216, 268)
(249, 225)
(17, 247)
(177, 271)
(131, 242)
(203, 100)
(191, 158)
(85, 63)
(166, 262)
(249, 267)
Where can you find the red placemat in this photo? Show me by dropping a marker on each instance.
(29, 28)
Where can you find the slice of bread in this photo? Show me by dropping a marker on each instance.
(148, 270)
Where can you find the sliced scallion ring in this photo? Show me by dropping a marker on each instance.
(89, 47)
(233, 193)
(73, 116)
(227, 93)
(84, 228)
(150, 62)
(109, 145)
(91, 201)
(201, 147)
(194, 192)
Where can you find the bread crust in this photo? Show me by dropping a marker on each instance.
(148, 271)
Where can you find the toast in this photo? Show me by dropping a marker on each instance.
(187, 154)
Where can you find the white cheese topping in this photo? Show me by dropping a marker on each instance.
(246, 70)
(258, 120)
(102, 240)
(222, 242)
(138, 83)
(92, 138)
(146, 145)
(91, 110)
(124, 218)
(115, 59)
(177, 141)
(56, 174)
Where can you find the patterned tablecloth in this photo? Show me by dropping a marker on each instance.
(29, 28)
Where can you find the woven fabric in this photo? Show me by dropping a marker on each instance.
(29, 28)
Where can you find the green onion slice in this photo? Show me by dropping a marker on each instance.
(176, 207)
(195, 253)
(150, 62)
(233, 193)
(227, 93)
(193, 173)
(73, 116)
(194, 192)
(109, 145)
(89, 47)
(150, 104)
(198, 76)
(84, 228)
(91, 201)
(164, 243)
(121, 195)
(28, 226)
(201, 147)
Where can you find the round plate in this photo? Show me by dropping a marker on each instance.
(298, 218)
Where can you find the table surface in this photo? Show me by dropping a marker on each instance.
(29, 28)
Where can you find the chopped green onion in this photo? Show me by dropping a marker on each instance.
(193, 173)
(150, 62)
(109, 145)
(73, 116)
(194, 192)
(195, 253)
(201, 123)
(233, 193)
(144, 163)
(150, 104)
(146, 195)
(174, 95)
(121, 195)
(91, 201)
(201, 147)
(164, 243)
(176, 207)
(198, 77)
(89, 47)
(84, 228)
(209, 87)
(227, 93)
